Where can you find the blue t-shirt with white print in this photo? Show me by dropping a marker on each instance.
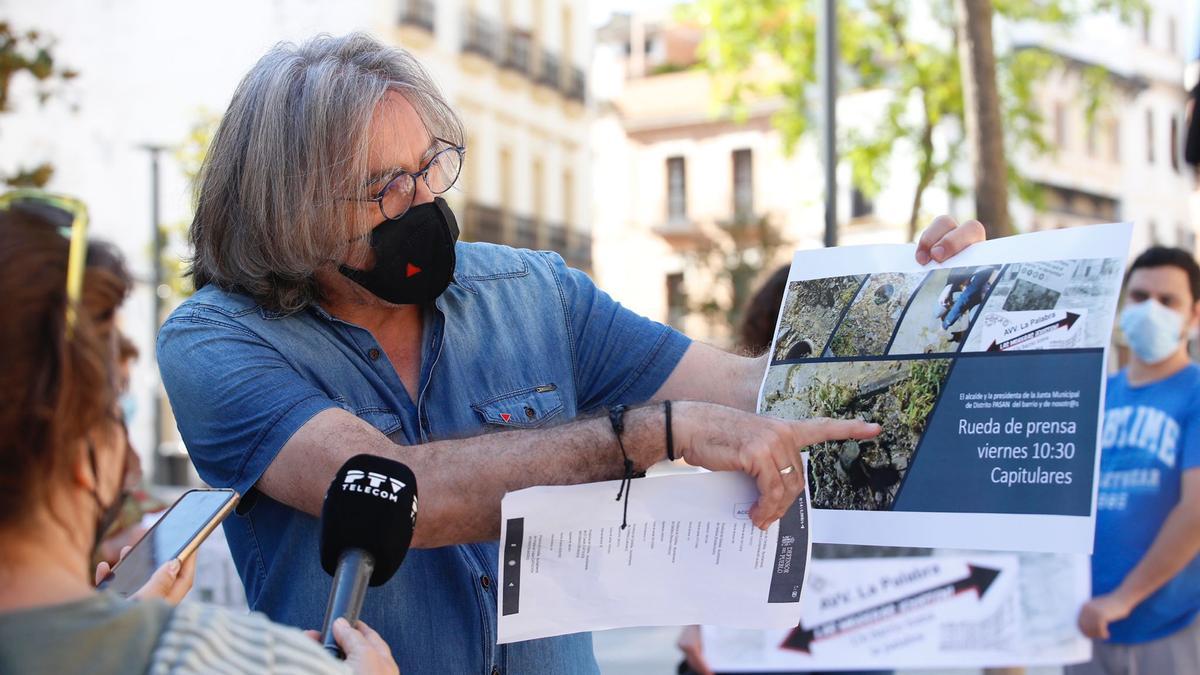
(1151, 436)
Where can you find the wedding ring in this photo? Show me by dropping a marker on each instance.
(785, 471)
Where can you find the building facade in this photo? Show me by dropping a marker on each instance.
(150, 71)
(1124, 161)
(515, 71)
(694, 207)
(687, 174)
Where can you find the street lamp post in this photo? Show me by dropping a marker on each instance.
(827, 42)
(156, 280)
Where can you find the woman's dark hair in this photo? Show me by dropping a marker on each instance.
(55, 389)
(758, 321)
(1166, 256)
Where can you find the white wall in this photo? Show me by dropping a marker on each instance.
(147, 71)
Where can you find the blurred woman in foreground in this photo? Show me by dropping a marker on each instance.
(62, 478)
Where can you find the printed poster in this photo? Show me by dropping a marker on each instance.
(977, 610)
(986, 374)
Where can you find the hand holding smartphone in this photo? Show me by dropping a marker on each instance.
(176, 535)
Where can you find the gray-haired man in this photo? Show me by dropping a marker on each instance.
(337, 314)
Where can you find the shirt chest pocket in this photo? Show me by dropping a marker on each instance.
(383, 419)
(526, 408)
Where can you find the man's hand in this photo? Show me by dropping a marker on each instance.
(945, 238)
(768, 450)
(1100, 611)
(171, 582)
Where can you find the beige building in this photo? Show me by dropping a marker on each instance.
(514, 69)
(1125, 162)
(692, 206)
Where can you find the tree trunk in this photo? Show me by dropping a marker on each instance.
(981, 104)
(925, 177)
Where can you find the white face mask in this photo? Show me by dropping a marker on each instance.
(1153, 331)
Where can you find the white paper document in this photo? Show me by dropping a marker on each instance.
(986, 373)
(922, 612)
(689, 554)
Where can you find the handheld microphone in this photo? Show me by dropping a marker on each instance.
(366, 528)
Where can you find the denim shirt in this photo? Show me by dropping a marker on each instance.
(518, 341)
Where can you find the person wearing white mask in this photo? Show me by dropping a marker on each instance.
(1145, 569)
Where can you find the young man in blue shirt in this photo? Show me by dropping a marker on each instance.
(1145, 570)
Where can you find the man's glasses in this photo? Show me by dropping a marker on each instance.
(439, 175)
(69, 216)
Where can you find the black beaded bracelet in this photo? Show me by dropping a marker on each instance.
(616, 417)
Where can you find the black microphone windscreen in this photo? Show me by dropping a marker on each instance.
(371, 505)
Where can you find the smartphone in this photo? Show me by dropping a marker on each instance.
(177, 534)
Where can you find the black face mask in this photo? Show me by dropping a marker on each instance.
(414, 255)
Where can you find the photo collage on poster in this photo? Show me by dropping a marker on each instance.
(885, 347)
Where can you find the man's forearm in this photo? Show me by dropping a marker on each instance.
(583, 451)
(461, 482)
(1176, 545)
(706, 373)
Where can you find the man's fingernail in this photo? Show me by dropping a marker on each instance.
(173, 566)
(922, 257)
(939, 252)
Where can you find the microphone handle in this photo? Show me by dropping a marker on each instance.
(346, 597)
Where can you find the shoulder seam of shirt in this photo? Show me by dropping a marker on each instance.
(547, 259)
(641, 368)
(195, 317)
(257, 442)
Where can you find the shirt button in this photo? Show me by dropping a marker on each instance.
(373, 353)
(485, 581)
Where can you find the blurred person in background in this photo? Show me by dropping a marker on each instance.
(63, 476)
(128, 526)
(1145, 570)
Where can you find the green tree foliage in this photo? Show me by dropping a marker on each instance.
(766, 49)
(29, 53)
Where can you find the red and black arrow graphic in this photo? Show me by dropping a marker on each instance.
(978, 579)
(1066, 322)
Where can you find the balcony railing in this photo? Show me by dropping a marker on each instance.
(479, 36)
(556, 238)
(524, 232)
(484, 223)
(516, 51)
(576, 85)
(417, 13)
(549, 73)
(580, 252)
(488, 223)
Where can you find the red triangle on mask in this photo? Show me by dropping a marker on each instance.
(505, 416)
(413, 270)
